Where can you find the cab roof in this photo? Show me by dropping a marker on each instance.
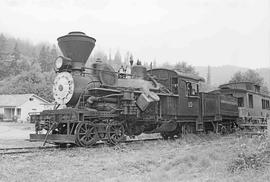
(181, 74)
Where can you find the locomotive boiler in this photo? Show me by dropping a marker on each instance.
(98, 104)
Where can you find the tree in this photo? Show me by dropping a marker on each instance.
(16, 53)
(184, 67)
(237, 77)
(53, 53)
(127, 58)
(14, 68)
(249, 76)
(4, 69)
(42, 58)
(117, 59)
(3, 44)
(45, 59)
(32, 81)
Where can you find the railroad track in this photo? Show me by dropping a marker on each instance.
(24, 150)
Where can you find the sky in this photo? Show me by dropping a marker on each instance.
(199, 32)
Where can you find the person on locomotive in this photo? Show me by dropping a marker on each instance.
(122, 72)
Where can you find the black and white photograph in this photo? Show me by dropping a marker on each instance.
(134, 91)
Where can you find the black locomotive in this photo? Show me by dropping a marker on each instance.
(98, 104)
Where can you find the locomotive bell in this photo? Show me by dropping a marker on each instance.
(77, 46)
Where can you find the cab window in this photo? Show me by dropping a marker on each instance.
(192, 89)
(175, 85)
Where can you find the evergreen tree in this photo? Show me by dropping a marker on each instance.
(117, 59)
(42, 58)
(110, 58)
(45, 59)
(127, 58)
(53, 53)
(16, 53)
(15, 57)
(4, 69)
(3, 44)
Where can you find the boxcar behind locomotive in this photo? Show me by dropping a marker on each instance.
(99, 104)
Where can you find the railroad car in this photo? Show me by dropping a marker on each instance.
(253, 105)
(97, 103)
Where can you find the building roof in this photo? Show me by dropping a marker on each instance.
(15, 100)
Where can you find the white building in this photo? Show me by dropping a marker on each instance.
(17, 107)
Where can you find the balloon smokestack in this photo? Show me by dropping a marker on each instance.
(77, 46)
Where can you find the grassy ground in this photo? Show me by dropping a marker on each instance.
(193, 158)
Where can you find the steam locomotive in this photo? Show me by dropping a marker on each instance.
(97, 103)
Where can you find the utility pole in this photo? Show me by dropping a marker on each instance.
(110, 57)
(209, 75)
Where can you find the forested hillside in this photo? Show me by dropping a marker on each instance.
(26, 68)
(29, 68)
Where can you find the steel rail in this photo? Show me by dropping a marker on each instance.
(24, 150)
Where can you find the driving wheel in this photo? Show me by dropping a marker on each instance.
(115, 133)
(86, 134)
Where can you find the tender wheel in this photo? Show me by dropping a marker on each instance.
(115, 133)
(222, 129)
(172, 134)
(86, 134)
(187, 129)
(164, 135)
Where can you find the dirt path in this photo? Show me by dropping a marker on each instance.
(16, 135)
(8, 132)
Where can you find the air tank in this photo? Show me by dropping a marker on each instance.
(77, 46)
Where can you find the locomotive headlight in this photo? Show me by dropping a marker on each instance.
(59, 62)
(62, 63)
